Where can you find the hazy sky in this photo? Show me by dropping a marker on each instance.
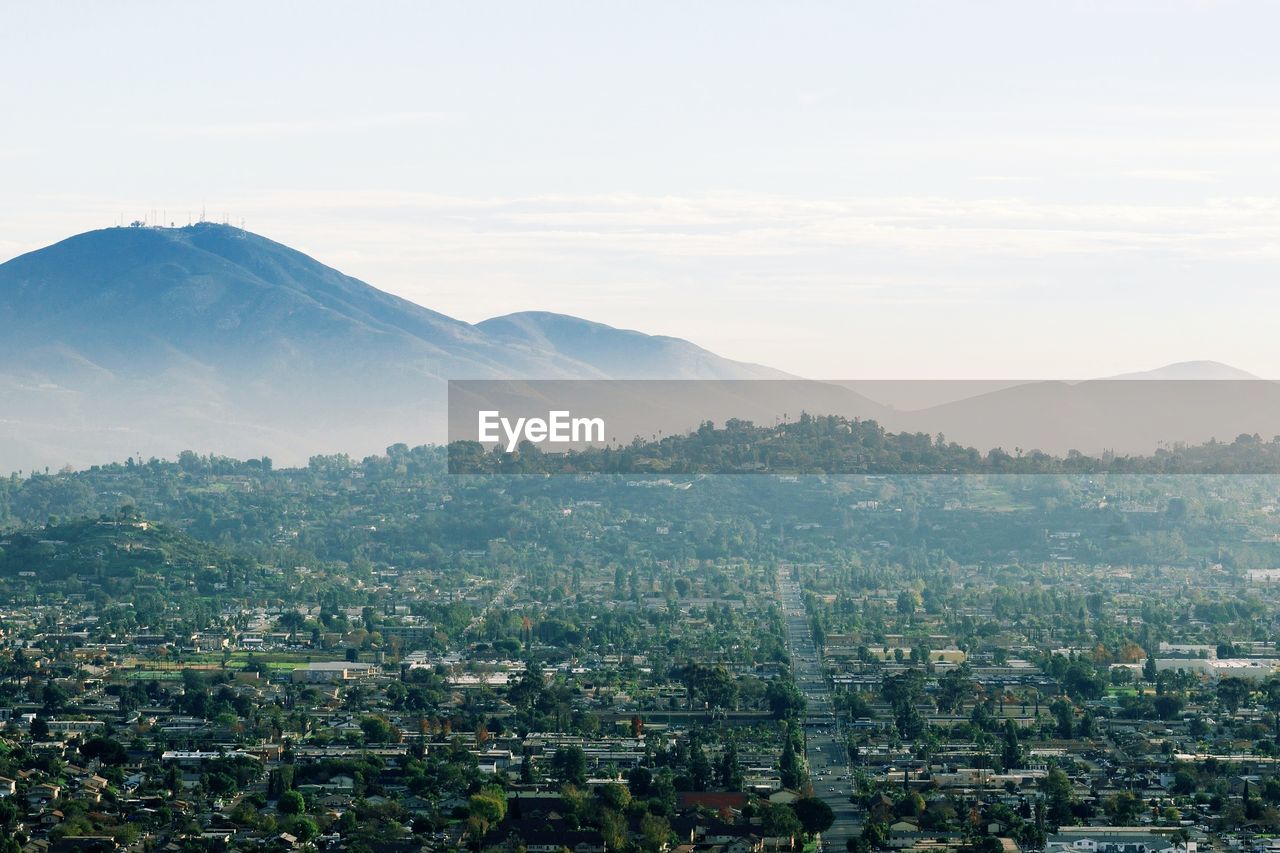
(888, 189)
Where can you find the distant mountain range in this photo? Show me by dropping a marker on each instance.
(152, 340)
(1199, 371)
(155, 340)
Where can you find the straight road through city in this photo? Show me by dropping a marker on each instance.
(825, 750)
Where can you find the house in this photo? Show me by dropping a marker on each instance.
(43, 794)
(1109, 840)
(718, 801)
(325, 672)
(84, 844)
(746, 838)
(554, 841)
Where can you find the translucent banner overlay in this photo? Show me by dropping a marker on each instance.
(864, 426)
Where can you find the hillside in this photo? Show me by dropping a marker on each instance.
(210, 337)
(116, 551)
(618, 353)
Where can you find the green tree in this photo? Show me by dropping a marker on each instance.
(778, 820)
(954, 688)
(1060, 796)
(730, 768)
(655, 833)
(489, 805)
(1065, 714)
(290, 803)
(790, 767)
(569, 765)
(1233, 692)
(814, 815)
(785, 700)
(378, 730)
(1011, 754)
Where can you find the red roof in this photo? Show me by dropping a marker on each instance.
(718, 800)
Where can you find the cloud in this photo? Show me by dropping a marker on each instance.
(1193, 176)
(425, 228)
(912, 275)
(303, 127)
(721, 225)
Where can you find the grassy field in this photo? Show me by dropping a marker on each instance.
(1122, 692)
(139, 668)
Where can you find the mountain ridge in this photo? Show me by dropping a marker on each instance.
(582, 340)
(211, 337)
(156, 340)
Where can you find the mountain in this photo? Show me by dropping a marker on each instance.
(127, 300)
(1119, 415)
(1134, 413)
(1197, 370)
(618, 353)
(156, 340)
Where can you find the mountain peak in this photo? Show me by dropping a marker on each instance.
(1200, 370)
(214, 338)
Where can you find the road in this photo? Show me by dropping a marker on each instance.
(498, 600)
(825, 750)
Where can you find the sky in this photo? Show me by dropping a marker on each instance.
(852, 189)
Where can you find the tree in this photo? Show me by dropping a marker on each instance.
(655, 832)
(814, 815)
(1232, 692)
(1184, 783)
(304, 828)
(1065, 714)
(785, 700)
(874, 834)
(378, 730)
(8, 816)
(1081, 681)
(290, 802)
(1011, 755)
(906, 716)
(699, 766)
(1060, 796)
(569, 765)
(791, 769)
(778, 820)
(292, 621)
(907, 686)
(614, 796)
(488, 805)
(713, 684)
(954, 688)
(1168, 706)
(55, 697)
(613, 829)
(640, 780)
(106, 750)
(730, 768)
(279, 780)
(529, 687)
(1123, 807)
